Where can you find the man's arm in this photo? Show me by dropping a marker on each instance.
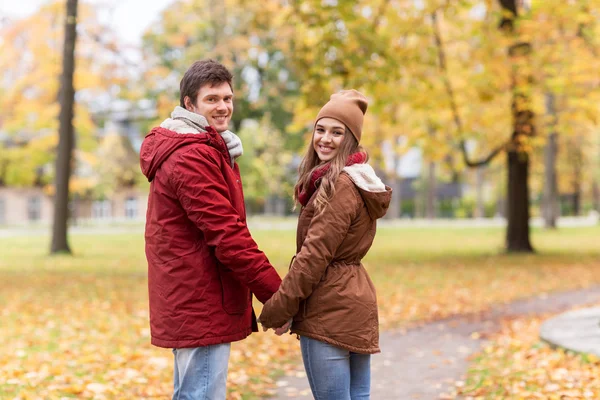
(204, 195)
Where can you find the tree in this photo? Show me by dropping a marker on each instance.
(244, 36)
(518, 157)
(29, 106)
(517, 147)
(117, 165)
(265, 166)
(565, 60)
(66, 137)
(252, 40)
(550, 206)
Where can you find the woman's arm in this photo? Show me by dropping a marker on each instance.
(325, 234)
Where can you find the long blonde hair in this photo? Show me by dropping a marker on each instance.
(311, 162)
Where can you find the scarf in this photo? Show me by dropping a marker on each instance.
(184, 121)
(305, 194)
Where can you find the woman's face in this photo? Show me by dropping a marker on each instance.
(327, 138)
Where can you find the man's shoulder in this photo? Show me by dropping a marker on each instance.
(199, 149)
(196, 159)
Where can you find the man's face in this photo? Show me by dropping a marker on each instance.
(215, 103)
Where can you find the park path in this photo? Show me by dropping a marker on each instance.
(424, 362)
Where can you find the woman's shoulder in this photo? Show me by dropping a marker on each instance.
(345, 188)
(364, 177)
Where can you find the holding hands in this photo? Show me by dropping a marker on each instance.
(281, 330)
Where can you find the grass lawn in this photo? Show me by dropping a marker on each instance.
(78, 326)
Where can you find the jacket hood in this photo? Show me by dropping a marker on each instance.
(160, 143)
(375, 193)
(184, 121)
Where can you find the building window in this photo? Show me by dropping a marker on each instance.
(101, 209)
(34, 208)
(2, 212)
(131, 208)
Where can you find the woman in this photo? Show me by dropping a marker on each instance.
(327, 291)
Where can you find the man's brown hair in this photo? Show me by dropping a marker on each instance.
(199, 74)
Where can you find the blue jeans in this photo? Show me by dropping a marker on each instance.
(334, 373)
(201, 372)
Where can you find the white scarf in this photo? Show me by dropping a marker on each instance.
(184, 121)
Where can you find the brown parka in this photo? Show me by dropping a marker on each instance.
(327, 290)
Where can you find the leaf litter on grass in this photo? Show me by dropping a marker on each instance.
(90, 339)
(78, 326)
(517, 365)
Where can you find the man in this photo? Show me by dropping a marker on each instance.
(203, 265)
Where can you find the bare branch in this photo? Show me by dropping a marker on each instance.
(582, 33)
(116, 52)
(452, 99)
(380, 13)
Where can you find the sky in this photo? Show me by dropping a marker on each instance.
(129, 18)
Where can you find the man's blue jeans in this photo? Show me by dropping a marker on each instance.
(334, 373)
(201, 372)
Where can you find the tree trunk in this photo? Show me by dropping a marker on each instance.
(550, 208)
(500, 207)
(66, 137)
(576, 202)
(596, 196)
(517, 202)
(395, 209)
(268, 208)
(500, 179)
(431, 193)
(479, 206)
(430, 200)
(280, 206)
(577, 161)
(74, 208)
(517, 232)
(420, 198)
(395, 182)
(3, 170)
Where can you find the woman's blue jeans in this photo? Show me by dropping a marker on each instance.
(334, 373)
(201, 372)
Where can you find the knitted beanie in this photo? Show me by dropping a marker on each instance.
(348, 107)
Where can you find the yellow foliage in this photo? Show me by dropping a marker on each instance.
(31, 63)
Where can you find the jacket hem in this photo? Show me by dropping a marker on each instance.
(361, 350)
(208, 341)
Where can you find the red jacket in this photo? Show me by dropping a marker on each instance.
(202, 262)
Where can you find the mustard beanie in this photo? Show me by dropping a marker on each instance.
(348, 107)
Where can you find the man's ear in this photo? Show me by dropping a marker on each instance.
(188, 103)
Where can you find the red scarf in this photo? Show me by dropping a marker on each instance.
(315, 179)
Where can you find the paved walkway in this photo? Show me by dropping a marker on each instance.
(577, 330)
(424, 362)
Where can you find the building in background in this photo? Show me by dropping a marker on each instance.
(26, 206)
(121, 203)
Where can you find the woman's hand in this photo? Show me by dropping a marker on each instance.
(281, 330)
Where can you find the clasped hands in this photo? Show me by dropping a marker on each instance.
(281, 330)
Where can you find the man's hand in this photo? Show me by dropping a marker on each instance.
(280, 331)
(264, 328)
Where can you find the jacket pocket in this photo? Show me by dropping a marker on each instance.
(235, 296)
